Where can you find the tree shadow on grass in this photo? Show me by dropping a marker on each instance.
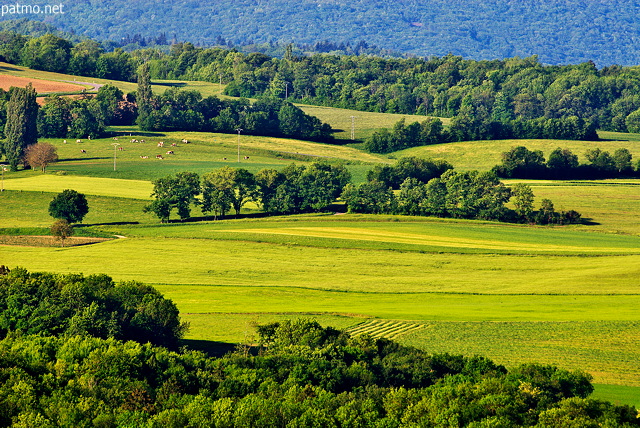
(113, 223)
(82, 159)
(589, 222)
(171, 84)
(209, 347)
(136, 134)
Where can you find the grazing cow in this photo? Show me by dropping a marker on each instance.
(142, 141)
(161, 144)
(159, 157)
(246, 157)
(78, 141)
(170, 152)
(144, 157)
(224, 158)
(115, 138)
(83, 151)
(174, 144)
(121, 149)
(185, 141)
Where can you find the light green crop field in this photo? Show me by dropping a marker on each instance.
(364, 123)
(450, 276)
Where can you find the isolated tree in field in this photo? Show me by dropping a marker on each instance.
(171, 192)
(20, 130)
(40, 155)
(61, 229)
(69, 205)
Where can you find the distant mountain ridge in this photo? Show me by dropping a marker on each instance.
(558, 31)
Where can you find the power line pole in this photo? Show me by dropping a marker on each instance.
(115, 146)
(239, 131)
(353, 128)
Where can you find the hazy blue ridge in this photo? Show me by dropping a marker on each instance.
(559, 31)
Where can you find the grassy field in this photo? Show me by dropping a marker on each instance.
(364, 124)
(483, 155)
(539, 302)
(566, 295)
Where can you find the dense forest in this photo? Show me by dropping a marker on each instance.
(560, 31)
(81, 351)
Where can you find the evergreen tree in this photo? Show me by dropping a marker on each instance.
(20, 130)
(144, 98)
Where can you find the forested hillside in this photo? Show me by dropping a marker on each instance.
(559, 31)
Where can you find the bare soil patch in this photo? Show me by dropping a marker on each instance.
(41, 86)
(47, 241)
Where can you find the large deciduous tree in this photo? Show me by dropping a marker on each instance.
(40, 155)
(171, 192)
(227, 187)
(69, 205)
(20, 130)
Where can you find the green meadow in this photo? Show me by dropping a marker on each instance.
(566, 296)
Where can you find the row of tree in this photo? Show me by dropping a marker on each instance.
(295, 189)
(471, 124)
(469, 195)
(520, 162)
(427, 188)
(186, 110)
(62, 364)
(498, 91)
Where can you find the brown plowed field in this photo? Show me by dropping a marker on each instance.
(41, 86)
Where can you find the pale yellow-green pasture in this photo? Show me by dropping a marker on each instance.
(206, 262)
(364, 123)
(36, 181)
(483, 155)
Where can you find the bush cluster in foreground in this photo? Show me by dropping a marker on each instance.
(300, 375)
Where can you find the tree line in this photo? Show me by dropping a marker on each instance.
(562, 164)
(294, 189)
(497, 91)
(186, 110)
(433, 188)
(82, 351)
(426, 188)
(469, 126)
